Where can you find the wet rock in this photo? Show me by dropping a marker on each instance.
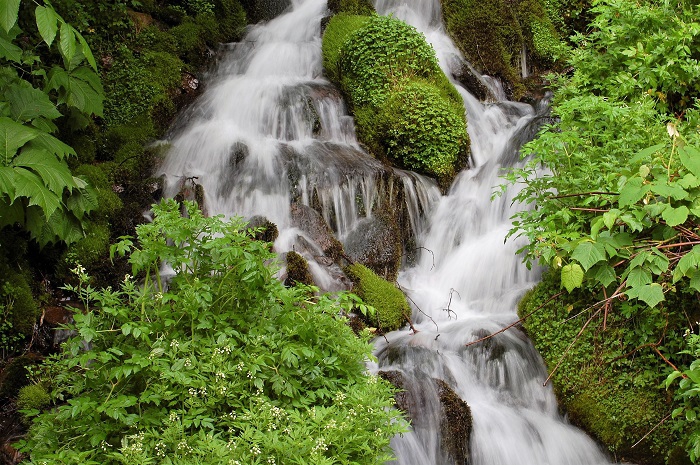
(455, 424)
(311, 222)
(471, 82)
(268, 230)
(376, 243)
(264, 10)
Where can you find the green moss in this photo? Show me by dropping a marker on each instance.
(190, 41)
(19, 310)
(297, 270)
(15, 375)
(231, 19)
(405, 108)
(33, 397)
(353, 7)
(604, 384)
(389, 302)
(91, 249)
(423, 131)
(337, 32)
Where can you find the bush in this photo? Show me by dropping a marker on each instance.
(226, 365)
(337, 32)
(388, 301)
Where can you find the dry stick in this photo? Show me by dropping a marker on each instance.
(652, 430)
(448, 309)
(503, 330)
(419, 309)
(561, 359)
(410, 323)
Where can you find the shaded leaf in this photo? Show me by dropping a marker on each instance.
(10, 213)
(9, 51)
(67, 43)
(27, 103)
(13, 136)
(52, 144)
(9, 10)
(638, 277)
(605, 274)
(46, 22)
(54, 173)
(675, 216)
(31, 186)
(651, 294)
(690, 157)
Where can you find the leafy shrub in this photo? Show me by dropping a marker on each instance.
(18, 309)
(352, 7)
(388, 301)
(422, 130)
(337, 32)
(226, 365)
(33, 397)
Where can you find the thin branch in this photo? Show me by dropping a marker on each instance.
(652, 430)
(431, 253)
(417, 307)
(594, 210)
(448, 309)
(581, 194)
(503, 330)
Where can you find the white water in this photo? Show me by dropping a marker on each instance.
(254, 144)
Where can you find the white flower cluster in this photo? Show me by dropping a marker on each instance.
(320, 445)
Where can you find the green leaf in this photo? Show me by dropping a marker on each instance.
(46, 22)
(27, 103)
(10, 213)
(67, 43)
(53, 172)
(13, 136)
(651, 294)
(690, 157)
(85, 48)
(695, 280)
(8, 181)
(605, 274)
(10, 51)
(644, 153)
(669, 190)
(82, 201)
(638, 277)
(675, 216)
(571, 276)
(9, 10)
(610, 217)
(588, 254)
(31, 186)
(632, 192)
(689, 181)
(51, 144)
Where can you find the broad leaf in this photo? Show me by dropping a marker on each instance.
(53, 145)
(54, 173)
(695, 280)
(644, 153)
(85, 48)
(632, 192)
(31, 186)
(675, 216)
(82, 201)
(63, 226)
(638, 277)
(650, 294)
(10, 213)
(13, 136)
(27, 103)
(669, 190)
(67, 43)
(690, 157)
(8, 181)
(571, 276)
(605, 274)
(10, 51)
(9, 10)
(46, 22)
(588, 254)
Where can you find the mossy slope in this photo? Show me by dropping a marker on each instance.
(387, 299)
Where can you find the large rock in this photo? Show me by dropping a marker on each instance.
(312, 223)
(376, 243)
(415, 396)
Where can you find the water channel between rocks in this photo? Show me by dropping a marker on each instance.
(270, 137)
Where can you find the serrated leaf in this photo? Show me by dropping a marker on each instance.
(695, 280)
(85, 48)
(82, 201)
(673, 191)
(31, 186)
(571, 276)
(588, 254)
(13, 136)
(690, 260)
(9, 10)
(27, 103)
(10, 51)
(52, 144)
(610, 217)
(605, 274)
(632, 192)
(8, 181)
(650, 294)
(690, 157)
(47, 23)
(675, 216)
(689, 181)
(67, 43)
(638, 277)
(65, 227)
(54, 173)
(44, 124)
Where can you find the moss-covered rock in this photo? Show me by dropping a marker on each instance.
(33, 397)
(389, 302)
(18, 309)
(380, 62)
(297, 270)
(607, 383)
(376, 243)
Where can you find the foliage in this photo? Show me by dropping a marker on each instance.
(352, 7)
(609, 382)
(37, 190)
(225, 365)
(379, 60)
(615, 182)
(33, 397)
(389, 303)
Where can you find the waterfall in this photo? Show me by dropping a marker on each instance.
(271, 137)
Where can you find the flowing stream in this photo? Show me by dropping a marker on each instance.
(270, 137)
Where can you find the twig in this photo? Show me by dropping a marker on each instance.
(431, 253)
(652, 430)
(448, 310)
(502, 330)
(581, 194)
(410, 323)
(594, 210)
(416, 305)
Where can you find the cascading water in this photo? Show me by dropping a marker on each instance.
(271, 137)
